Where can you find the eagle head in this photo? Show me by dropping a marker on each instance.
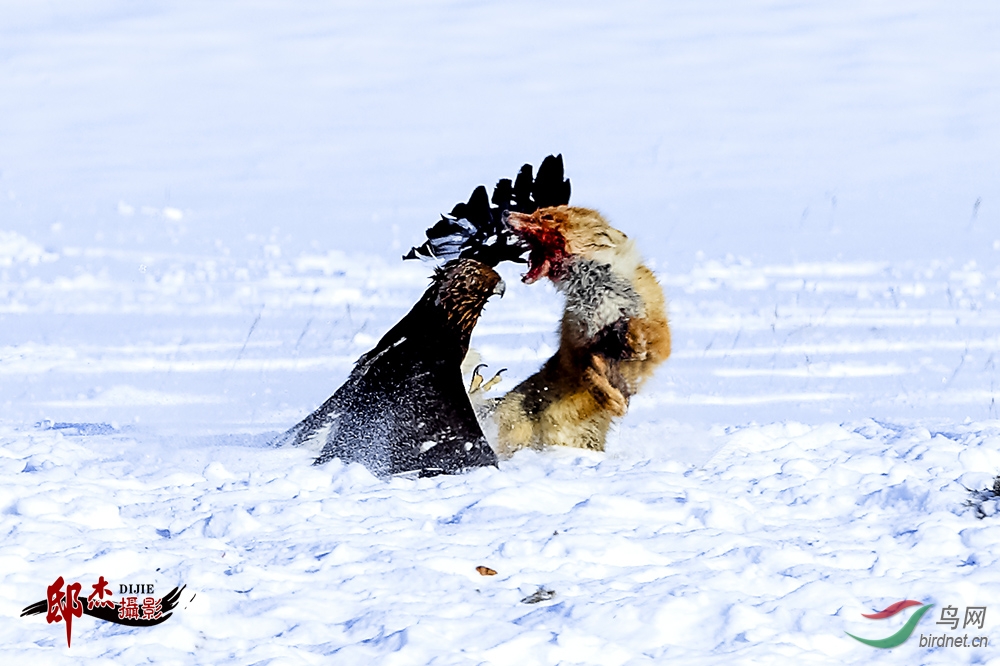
(460, 289)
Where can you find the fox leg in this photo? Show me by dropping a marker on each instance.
(575, 420)
(607, 385)
(515, 427)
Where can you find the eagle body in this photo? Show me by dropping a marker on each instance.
(404, 407)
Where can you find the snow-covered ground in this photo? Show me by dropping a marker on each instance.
(202, 212)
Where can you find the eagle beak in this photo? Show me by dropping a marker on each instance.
(504, 217)
(500, 288)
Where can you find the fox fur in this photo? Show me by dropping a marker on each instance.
(614, 332)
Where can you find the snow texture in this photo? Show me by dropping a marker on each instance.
(202, 212)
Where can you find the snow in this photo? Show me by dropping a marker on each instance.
(768, 551)
(202, 209)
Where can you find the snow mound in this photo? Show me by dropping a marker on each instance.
(15, 248)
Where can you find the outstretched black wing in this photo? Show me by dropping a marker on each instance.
(475, 229)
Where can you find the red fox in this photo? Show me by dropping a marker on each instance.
(614, 332)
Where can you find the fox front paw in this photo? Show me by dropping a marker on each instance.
(607, 396)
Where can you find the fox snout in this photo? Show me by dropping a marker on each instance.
(516, 221)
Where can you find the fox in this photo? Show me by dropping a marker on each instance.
(613, 334)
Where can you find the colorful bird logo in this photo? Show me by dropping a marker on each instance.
(900, 636)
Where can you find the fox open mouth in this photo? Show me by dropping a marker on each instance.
(538, 265)
(546, 246)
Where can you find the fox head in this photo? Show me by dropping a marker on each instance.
(557, 235)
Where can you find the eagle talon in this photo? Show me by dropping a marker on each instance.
(494, 381)
(477, 379)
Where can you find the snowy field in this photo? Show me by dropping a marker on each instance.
(202, 210)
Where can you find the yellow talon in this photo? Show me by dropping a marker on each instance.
(493, 382)
(477, 379)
